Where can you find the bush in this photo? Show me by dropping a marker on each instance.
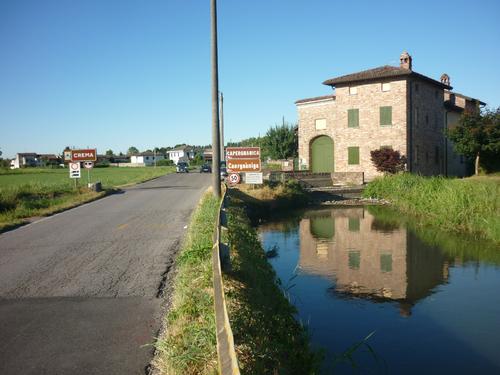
(164, 163)
(460, 205)
(388, 160)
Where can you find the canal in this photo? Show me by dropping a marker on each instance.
(428, 302)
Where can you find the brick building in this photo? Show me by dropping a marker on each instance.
(386, 106)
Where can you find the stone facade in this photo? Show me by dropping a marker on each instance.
(368, 136)
(426, 134)
(416, 130)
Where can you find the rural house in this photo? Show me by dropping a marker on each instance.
(33, 159)
(146, 158)
(181, 154)
(388, 106)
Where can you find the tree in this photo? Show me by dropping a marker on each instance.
(4, 163)
(132, 150)
(477, 136)
(109, 152)
(281, 141)
(387, 160)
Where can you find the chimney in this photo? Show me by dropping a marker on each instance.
(445, 79)
(405, 60)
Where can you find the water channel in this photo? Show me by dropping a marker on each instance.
(431, 300)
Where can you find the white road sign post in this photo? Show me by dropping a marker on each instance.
(88, 166)
(253, 178)
(74, 171)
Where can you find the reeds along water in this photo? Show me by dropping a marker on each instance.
(462, 205)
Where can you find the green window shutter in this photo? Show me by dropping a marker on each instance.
(354, 224)
(386, 262)
(385, 116)
(352, 155)
(354, 259)
(353, 118)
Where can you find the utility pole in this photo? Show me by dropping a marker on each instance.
(222, 156)
(215, 104)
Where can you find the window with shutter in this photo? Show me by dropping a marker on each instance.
(353, 155)
(385, 116)
(353, 118)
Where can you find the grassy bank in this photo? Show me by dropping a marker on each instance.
(461, 205)
(189, 344)
(32, 192)
(268, 338)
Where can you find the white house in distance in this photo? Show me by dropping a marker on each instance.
(33, 159)
(145, 158)
(28, 159)
(181, 154)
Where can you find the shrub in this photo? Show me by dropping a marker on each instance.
(164, 163)
(388, 160)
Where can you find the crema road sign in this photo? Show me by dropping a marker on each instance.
(84, 155)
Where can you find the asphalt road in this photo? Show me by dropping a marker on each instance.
(78, 290)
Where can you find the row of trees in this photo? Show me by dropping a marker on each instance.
(280, 142)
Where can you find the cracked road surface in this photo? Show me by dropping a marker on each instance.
(78, 289)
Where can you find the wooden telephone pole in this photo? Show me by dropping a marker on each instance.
(215, 104)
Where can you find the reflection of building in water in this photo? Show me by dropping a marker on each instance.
(369, 258)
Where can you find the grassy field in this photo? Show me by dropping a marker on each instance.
(470, 205)
(110, 177)
(32, 192)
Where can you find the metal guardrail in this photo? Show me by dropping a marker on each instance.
(228, 363)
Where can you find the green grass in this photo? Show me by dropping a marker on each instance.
(38, 191)
(460, 205)
(189, 345)
(110, 177)
(268, 338)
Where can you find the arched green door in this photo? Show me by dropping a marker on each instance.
(322, 154)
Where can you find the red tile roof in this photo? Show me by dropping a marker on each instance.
(379, 73)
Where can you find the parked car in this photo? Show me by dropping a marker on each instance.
(205, 168)
(182, 167)
(223, 172)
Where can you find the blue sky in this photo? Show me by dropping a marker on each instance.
(112, 74)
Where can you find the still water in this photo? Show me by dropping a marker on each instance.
(432, 301)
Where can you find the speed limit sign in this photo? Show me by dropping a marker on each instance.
(234, 178)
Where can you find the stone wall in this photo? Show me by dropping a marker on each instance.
(368, 136)
(427, 125)
(348, 178)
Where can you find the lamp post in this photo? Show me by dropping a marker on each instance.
(215, 103)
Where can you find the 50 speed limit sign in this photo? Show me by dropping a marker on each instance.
(234, 178)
